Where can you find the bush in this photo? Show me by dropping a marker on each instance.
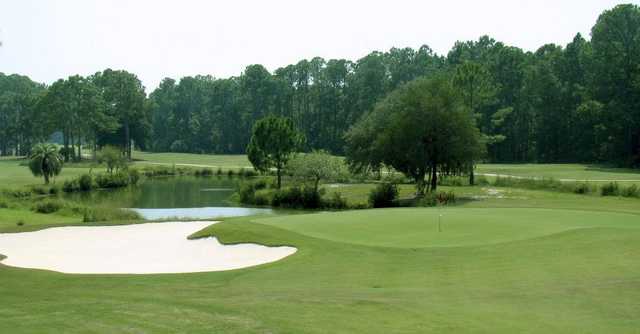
(99, 214)
(134, 176)
(445, 198)
(297, 198)
(3, 204)
(383, 195)
(219, 171)
(230, 173)
(85, 182)
(582, 188)
(47, 206)
(40, 190)
(631, 191)
(116, 180)
(336, 202)
(70, 186)
(428, 200)
(248, 190)
(262, 197)
(55, 189)
(610, 189)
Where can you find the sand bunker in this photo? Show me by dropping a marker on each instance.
(131, 249)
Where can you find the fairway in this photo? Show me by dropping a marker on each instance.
(562, 172)
(193, 160)
(498, 271)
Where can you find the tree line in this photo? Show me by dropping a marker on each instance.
(573, 103)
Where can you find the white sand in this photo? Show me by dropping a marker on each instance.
(131, 249)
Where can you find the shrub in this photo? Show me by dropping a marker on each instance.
(262, 197)
(54, 189)
(134, 176)
(336, 202)
(47, 206)
(428, 200)
(219, 171)
(70, 186)
(115, 180)
(20, 222)
(446, 197)
(3, 204)
(85, 182)
(40, 190)
(582, 188)
(383, 195)
(230, 173)
(248, 190)
(610, 189)
(631, 191)
(98, 214)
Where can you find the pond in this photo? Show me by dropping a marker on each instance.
(174, 197)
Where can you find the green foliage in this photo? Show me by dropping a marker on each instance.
(384, 195)
(336, 202)
(420, 129)
(85, 182)
(248, 189)
(48, 206)
(113, 180)
(112, 157)
(45, 161)
(610, 189)
(631, 191)
(273, 142)
(316, 166)
(297, 197)
(102, 214)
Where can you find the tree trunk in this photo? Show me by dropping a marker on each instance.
(46, 178)
(472, 177)
(65, 134)
(278, 175)
(434, 178)
(127, 138)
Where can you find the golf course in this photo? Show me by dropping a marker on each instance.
(502, 260)
(299, 167)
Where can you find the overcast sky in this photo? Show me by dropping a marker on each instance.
(47, 40)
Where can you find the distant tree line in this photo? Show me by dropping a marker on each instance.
(577, 103)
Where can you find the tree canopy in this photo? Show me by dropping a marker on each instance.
(274, 140)
(421, 129)
(560, 103)
(45, 161)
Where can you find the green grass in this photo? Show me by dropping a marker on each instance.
(577, 274)
(507, 261)
(578, 172)
(418, 227)
(14, 175)
(9, 219)
(195, 160)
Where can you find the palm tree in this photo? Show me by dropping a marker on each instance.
(45, 161)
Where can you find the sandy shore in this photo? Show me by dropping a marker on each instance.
(131, 249)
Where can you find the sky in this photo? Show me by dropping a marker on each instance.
(51, 39)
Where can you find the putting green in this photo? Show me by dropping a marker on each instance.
(418, 227)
